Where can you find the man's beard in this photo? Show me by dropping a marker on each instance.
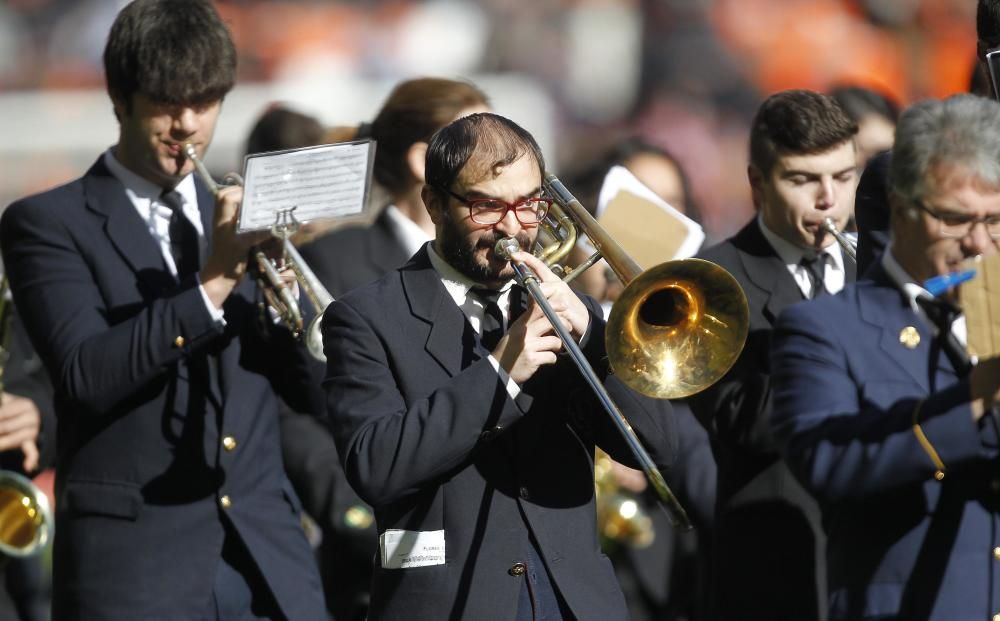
(460, 253)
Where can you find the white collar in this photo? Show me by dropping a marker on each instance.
(141, 189)
(791, 254)
(408, 232)
(458, 284)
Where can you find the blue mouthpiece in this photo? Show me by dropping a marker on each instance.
(940, 284)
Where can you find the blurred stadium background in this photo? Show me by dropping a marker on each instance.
(579, 74)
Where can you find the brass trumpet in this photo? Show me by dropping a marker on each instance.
(675, 330)
(850, 249)
(279, 295)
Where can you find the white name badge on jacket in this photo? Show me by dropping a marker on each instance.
(402, 549)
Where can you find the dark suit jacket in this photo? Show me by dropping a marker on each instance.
(768, 539)
(430, 438)
(901, 544)
(347, 258)
(142, 469)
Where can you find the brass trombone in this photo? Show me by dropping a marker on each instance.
(278, 294)
(675, 330)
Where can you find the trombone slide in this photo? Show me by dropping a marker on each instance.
(529, 280)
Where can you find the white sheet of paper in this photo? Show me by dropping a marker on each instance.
(402, 549)
(619, 179)
(315, 183)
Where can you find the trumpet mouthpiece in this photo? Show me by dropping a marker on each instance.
(189, 151)
(506, 247)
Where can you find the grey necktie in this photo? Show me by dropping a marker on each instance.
(816, 269)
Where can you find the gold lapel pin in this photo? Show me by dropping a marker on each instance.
(909, 337)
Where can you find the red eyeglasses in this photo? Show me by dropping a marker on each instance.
(529, 210)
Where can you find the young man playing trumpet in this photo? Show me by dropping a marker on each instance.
(171, 498)
(457, 420)
(768, 540)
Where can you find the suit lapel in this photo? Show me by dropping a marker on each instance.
(766, 271)
(429, 301)
(127, 232)
(884, 308)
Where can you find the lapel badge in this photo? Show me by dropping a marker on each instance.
(909, 337)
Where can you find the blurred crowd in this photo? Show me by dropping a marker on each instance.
(684, 74)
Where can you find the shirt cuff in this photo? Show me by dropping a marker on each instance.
(512, 388)
(217, 313)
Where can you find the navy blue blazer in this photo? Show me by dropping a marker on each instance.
(900, 543)
(431, 439)
(143, 465)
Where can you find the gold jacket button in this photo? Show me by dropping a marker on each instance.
(229, 443)
(179, 342)
(517, 569)
(996, 553)
(225, 502)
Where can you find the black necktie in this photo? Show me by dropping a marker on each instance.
(942, 314)
(183, 236)
(816, 269)
(492, 324)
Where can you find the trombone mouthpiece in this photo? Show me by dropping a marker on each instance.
(506, 247)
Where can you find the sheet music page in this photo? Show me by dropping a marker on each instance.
(314, 183)
(649, 229)
(980, 301)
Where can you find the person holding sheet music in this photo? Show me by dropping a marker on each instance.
(171, 499)
(875, 406)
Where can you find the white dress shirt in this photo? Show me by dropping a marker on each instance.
(458, 286)
(145, 197)
(834, 276)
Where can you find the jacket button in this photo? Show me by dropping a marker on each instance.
(996, 553)
(524, 492)
(517, 569)
(490, 434)
(229, 443)
(225, 502)
(179, 342)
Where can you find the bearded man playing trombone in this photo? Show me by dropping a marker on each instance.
(457, 418)
(171, 501)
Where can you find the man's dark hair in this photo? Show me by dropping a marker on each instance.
(413, 112)
(175, 52)
(282, 128)
(988, 23)
(797, 122)
(498, 141)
